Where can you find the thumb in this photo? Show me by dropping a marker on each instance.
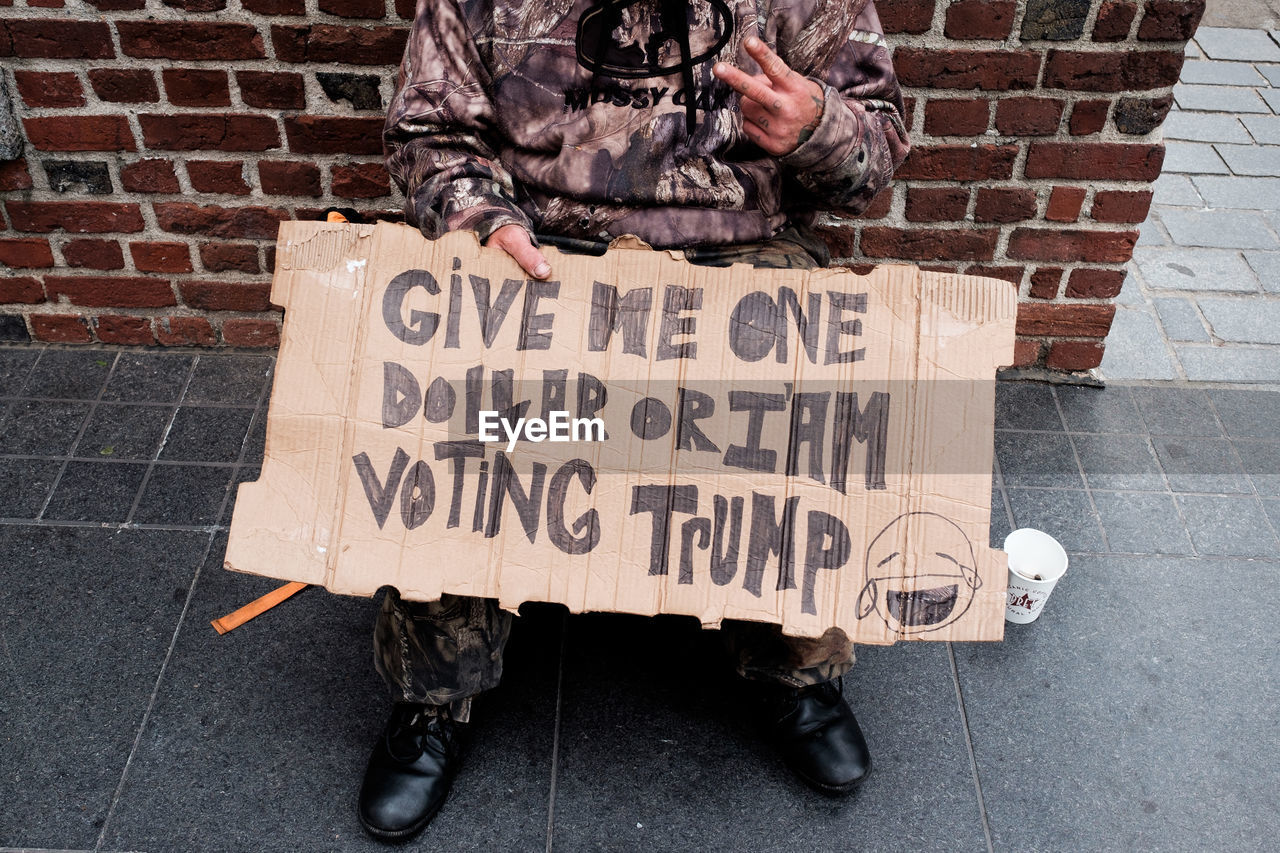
(515, 241)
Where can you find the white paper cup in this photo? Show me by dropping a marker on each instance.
(1036, 563)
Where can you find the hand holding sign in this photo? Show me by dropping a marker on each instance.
(780, 108)
(515, 241)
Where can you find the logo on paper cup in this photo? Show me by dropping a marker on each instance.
(1019, 598)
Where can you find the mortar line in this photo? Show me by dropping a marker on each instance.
(555, 732)
(1084, 478)
(164, 440)
(968, 743)
(260, 411)
(75, 442)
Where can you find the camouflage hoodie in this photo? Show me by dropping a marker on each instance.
(596, 119)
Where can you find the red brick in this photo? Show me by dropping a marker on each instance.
(78, 217)
(1049, 244)
(841, 240)
(348, 45)
(275, 7)
(1005, 204)
(269, 259)
(333, 135)
(1013, 275)
(197, 5)
(1045, 282)
(124, 85)
(880, 205)
(226, 295)
(47, 4)
(149, 176)
(195, 87)
(161, 257)
(282, 177)
(1121, 206)
(1029, 116)
(980, 19)
(49, 88)
(111, 291)
(254, 223)
(992, 70)
(943, 204)
(189, 40)
(1064, 204)
(1095, 71)
(354, 8)
(1063, 319)
(406, 8)
(239, 332)
(361, 180)
(14, 175)
(1098, 161)
(26, 253)
(80, 133)
(1086, 283)
(229, 257)
(272, 89)
(1115, 17)
(197, 131)
(127, 331)
(1026, 353)
(117, 5)
(93, 254)
(959, 163)
(1170, 20)
(905, 16)
(52, 38)
(21, 289)
(217, 176)
(929, 244)
(186, 331)
(60, 329)
(956, 117)
(1074, 355)
(1089, 117)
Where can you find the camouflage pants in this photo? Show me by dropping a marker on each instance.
(446, 652)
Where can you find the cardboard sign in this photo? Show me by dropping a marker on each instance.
(639, 434)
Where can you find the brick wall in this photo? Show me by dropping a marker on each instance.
(166, 140)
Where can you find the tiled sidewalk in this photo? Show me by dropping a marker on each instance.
(1138, 713)
(1204, 300)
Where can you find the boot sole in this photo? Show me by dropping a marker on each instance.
(834, 790)
(410, 831)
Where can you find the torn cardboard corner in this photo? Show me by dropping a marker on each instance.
(638, 434)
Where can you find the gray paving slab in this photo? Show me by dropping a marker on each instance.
(1000, 526)
(1266, 265)
(1233, 99)
(1271, 72)
(1175, 190)
(1199, 464)
(1235, 191)
(96, 491)
(1261, 461)
(1247, 414)
(1065, 514)
(1102, 725)
(148, 377)
(41, 427)
(74, 374)
(259, 738)
(1136, 349)
(124, 432)
(1262, 160)
(1197, 158)
(1037, 459)
(1205, 127)
(1105, 410)
(1142, 523)
(1272, 508)
(1251, 320)
(1150, 233)
(657, 752)
(1176, 411)
(1119, 462)
(25, 485)
(183, 495)
(1179, 319)
(1265, 130)
(86, 616)
(206, 434)
(1229, 364)
(231, 380)
(1130, 289)
(243, 474)
(1232, 526)
(1219, 73)
(1195, 269)
(1026, 405)
(1219, 229)
(15, 364)
(1237, 44)
(1272, 97)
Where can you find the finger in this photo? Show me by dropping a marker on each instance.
(748, 86)
(773, 66)
(759, 116)
(515, 241)
(761, 138)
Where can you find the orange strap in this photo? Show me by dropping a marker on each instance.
(335, 216)
(256, 608)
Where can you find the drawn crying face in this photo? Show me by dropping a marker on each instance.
(918, 593)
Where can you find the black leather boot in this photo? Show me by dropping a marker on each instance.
(410, 771)
(818, 737)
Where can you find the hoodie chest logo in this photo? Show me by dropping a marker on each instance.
(634, 39)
